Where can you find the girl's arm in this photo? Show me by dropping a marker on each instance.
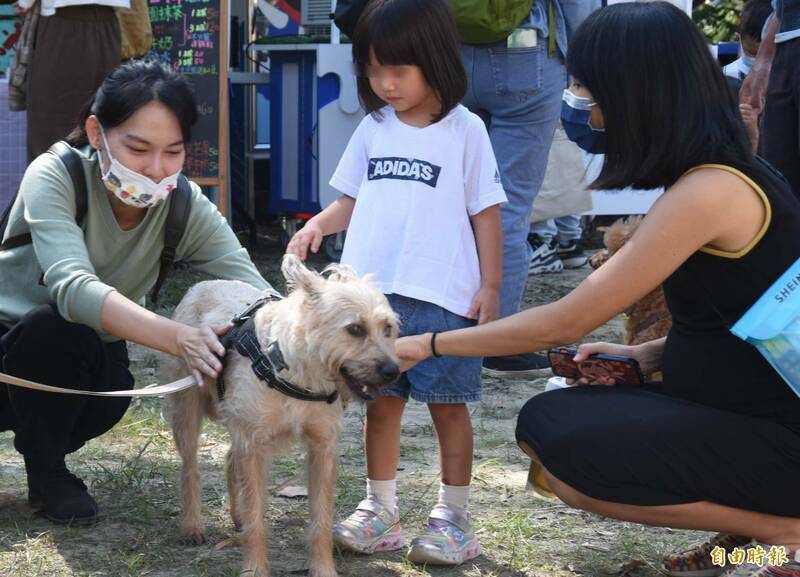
(198, 347)
(489, 240)
(335, 218)
(707, 207)
(347, 178)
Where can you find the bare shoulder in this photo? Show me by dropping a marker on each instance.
(712, 184)
(722, 206)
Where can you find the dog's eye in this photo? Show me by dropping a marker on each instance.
(387, 332)
(357, 330)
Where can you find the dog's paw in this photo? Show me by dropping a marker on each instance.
(322, 570)
(254, 570)
(194, 535)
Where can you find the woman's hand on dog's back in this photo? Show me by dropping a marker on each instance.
(201, 349)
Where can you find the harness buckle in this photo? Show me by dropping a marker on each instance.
(252, 308)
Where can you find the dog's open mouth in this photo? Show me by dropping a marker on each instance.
(360, 389)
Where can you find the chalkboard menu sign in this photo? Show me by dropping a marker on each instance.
(191, 36)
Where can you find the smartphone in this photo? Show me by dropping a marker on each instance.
(624, 370)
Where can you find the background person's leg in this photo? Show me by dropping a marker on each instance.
(518, 93)
(74, 51)
(543, 239)
(524, 104)
(570, 241)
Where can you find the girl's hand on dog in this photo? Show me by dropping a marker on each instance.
(308, 236)
(201, 349)
(485, 305)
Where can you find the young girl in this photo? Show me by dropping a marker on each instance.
(421, 205)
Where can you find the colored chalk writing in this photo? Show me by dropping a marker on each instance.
(186, 35)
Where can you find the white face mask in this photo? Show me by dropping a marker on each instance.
(132, 188)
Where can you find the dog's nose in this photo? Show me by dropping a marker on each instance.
(389, 371)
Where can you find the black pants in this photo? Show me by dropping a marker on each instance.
(780, 137)
(44, 347)
(640, 446)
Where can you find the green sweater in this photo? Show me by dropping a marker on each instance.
(77, 267)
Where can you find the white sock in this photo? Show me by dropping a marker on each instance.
(385, 492)
(453, 495)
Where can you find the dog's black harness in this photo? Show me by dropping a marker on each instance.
(267, 367)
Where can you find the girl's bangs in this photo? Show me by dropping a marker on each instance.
(392, 44)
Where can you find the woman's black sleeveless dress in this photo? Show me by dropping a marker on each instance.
(723, 426)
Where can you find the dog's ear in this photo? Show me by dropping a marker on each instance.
(298, 276)
(339, 273)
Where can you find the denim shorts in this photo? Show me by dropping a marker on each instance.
(438, 379)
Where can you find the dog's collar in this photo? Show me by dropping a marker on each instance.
(267, 367)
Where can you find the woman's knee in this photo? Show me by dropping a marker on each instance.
(47, 319)
(528, 450)
(42, 333)
(535, 414)
(566, 493)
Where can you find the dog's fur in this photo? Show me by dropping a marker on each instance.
(314, 326)
(648, 319)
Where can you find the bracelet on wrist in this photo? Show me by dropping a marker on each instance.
(433, 345)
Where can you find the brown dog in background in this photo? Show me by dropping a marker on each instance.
(336, 333)
(648, 319)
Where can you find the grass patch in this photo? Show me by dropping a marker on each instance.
(133, 471)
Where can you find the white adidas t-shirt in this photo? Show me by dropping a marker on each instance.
(415, 190)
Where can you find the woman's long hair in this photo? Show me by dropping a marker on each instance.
(666, 105)
(130, 87)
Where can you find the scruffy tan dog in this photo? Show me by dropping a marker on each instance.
(335, 333)
(648, 319)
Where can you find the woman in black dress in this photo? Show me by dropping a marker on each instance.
(716, 446)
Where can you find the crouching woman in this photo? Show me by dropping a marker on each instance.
(70, 298)
(716, 446)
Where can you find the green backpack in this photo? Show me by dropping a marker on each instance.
(485, 21)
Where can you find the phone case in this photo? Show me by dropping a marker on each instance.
(624, 370)
(562, 364)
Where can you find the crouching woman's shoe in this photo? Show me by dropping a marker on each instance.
(61, 496)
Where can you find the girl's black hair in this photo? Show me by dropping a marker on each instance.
(666, 105)
(131, 86)
(411, 32)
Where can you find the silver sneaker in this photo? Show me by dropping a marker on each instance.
(372, 527)
(448, 540)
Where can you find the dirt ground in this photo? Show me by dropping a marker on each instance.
(133, 471)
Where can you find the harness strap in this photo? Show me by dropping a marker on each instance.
(180, 205)
(72, 162)
(267, 367)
